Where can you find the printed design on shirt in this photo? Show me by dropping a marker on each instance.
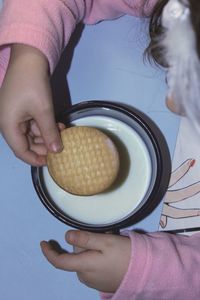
(175, 195)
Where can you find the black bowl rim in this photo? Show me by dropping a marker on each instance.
(163, 172)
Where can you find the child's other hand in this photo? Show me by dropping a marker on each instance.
(25, 97)
(101, 261)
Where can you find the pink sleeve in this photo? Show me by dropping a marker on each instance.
(162, 266)
(48, 25)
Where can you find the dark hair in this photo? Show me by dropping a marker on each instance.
(195, 19)
(154, 51)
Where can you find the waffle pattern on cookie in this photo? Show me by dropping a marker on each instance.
(87, 165)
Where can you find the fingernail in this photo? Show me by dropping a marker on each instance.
(70, 236)
(56, 147)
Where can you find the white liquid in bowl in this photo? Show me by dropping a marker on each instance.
(118, 203)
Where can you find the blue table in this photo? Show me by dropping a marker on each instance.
(107, 64)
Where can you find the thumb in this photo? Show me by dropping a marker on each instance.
(49, 131)
(86, 240)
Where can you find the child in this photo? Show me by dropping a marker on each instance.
(132, 266)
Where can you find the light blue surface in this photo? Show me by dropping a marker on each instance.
(107, 65)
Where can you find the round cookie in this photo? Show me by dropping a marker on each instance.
(88, 164)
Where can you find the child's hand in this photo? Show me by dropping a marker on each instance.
(101, 265)
(25, 97)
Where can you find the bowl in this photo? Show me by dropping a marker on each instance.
(145, 168)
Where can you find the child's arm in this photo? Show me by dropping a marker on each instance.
(146, 266)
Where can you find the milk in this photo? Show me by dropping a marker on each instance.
(131, 188)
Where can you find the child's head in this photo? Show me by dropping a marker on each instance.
(175, 44)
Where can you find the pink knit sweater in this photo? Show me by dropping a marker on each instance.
(48, 25)
(162, 266)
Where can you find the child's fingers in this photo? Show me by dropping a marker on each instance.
(49, 132)
(38, 140)
(61, 126)
(68, 261)
(35, 131)
(88, 240)
(53, 256)
(39, 149)
(78, 249)
(21, 148)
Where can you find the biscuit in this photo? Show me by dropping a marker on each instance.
(88, 163)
